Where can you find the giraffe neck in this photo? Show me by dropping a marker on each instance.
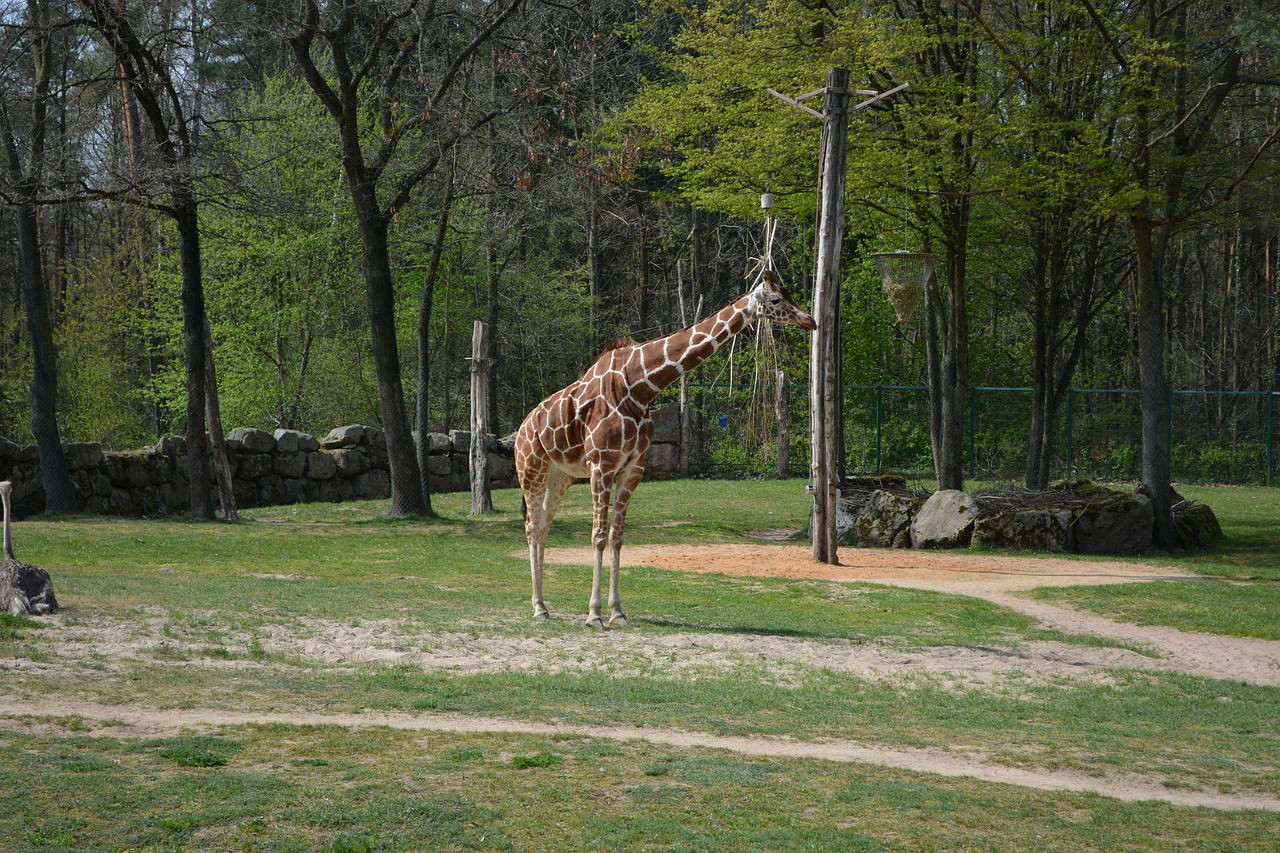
(660, 362)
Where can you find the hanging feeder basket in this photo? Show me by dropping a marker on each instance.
(904, 275)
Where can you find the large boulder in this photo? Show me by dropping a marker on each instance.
(663, 459)
(1196, 524)
(343, 436)
(251, 440)
(253, 465)
(82, 455)
(884, 521)
(374, 484)
(438, 442)
(1027, 530)
(287, 440)
(320, 465)
(1114, 523)
(945, 521)
(350, 461)
(666, 423)
(290, 464)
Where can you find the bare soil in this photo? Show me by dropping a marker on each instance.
(153, 636)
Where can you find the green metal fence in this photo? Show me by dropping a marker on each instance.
(1215, 436)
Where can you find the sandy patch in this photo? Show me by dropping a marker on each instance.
(920, 569)
(992, 578)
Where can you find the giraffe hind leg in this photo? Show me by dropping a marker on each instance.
(542, 509)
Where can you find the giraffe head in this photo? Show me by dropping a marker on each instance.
(770, 300)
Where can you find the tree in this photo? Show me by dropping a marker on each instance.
(143, 66)
(1179, 66)
(24, 185)
(1054, 178)
(379, 83)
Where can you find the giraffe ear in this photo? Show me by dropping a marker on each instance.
(771, 277)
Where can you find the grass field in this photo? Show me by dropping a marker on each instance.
(251, 617)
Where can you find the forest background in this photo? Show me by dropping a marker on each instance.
(337, 191)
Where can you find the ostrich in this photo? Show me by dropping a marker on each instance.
(23, 589)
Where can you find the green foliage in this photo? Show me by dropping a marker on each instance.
(709, 121)
(120, 341)
(283, 279)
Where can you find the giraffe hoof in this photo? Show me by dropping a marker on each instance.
(619, 619)
(595, 622)
(541, 613)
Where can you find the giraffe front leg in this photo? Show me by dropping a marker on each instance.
(601, 486)
(535, 569)
(626, 487)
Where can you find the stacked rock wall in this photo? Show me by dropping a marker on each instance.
(286, 467)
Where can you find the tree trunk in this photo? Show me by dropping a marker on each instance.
(193, 321)
(226, 491)
(933, 358)
(1154, 384)
(55, 475)
(424, 349)
(406, 482)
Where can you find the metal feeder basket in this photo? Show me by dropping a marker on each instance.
(904, 275)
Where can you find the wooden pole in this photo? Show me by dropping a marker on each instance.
(686, 430)
(481, 497)
(825, 380)
(782, 408)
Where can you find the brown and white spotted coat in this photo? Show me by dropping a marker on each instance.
(599, 428)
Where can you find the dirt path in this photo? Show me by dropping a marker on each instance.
(135, 721)
(994, 579)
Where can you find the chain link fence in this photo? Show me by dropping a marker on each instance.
(1226, 437)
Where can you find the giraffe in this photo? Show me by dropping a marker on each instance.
(599, 428)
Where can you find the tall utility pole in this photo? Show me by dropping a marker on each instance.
(825, 372)
(824, 382)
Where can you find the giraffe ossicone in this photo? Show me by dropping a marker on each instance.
(599, 428)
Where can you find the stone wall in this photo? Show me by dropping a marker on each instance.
(286, 467)
(350, 463)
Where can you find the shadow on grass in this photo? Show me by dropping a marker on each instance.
(746, 631)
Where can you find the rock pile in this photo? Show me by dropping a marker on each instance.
(1078, 516)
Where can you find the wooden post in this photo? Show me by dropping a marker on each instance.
(782, 408)
(481, 497)
(825, 380)
(686, 430)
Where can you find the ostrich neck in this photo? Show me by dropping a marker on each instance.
(660, 362)
(8, 532)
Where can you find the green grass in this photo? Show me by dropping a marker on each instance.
(1241, 594)
(323, 788)
(209, 602)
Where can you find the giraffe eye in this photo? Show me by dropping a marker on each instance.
(775, 299)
